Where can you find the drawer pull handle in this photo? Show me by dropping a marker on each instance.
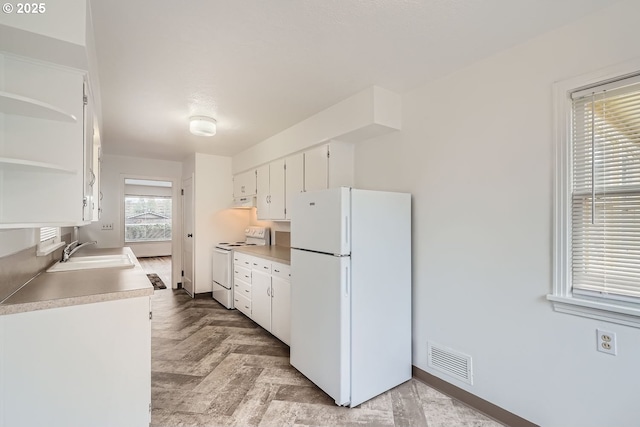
(265, 268)
(277, 271)
(246, 291)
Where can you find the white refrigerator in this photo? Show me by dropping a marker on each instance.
(351, 291)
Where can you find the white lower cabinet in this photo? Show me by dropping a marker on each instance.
(242, 283)
(281, 309)
(261, 299)
(83, 365)
(265, 296)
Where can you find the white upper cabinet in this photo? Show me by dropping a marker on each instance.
(262, 199)
(271, 191)
(316, 168)
(328, 166)
(43, 157)
(277, 189)
(294, 180)
(325, 166)
(96, 169)
(244, 184)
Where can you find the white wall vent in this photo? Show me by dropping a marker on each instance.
(450, 362)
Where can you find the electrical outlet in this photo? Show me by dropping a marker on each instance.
(107, 226)
(606, 342)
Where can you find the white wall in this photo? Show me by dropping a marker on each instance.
(114, 170)
(214, 220)
(476, 153)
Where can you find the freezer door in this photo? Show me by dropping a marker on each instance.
(320, 221)
(320, 321)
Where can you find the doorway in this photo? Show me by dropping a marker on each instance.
(188, 242)
(150, 225)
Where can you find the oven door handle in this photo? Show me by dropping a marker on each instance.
(222, 251)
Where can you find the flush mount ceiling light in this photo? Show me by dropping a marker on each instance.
(202, 126)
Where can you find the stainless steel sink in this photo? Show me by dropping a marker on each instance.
(91, 262)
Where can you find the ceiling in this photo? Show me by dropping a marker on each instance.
(259, 67)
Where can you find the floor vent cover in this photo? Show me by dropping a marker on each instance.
(450, 362)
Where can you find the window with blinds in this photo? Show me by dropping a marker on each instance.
(49, 234)
(605, 190)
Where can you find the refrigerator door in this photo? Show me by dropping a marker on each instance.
(320, 221)
(320, 321)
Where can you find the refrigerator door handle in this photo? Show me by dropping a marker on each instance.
(346, 281)
(346, 229)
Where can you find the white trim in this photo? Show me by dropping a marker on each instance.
(608, 312)
(562, 298)
(47, 249)
(176, 221)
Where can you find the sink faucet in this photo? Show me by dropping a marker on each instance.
(72, 247)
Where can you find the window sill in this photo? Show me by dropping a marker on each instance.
(608, 312)
(46, 250)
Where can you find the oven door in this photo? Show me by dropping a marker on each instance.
(221, 267)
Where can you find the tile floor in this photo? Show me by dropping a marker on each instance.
(215, 367)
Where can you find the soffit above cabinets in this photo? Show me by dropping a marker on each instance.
(260, 67)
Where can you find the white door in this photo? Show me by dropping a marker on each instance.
(294, 180)
(320, 221)
(316, 168)
(262, 192)
(281, 309)
(276, 189)
(244, 184)
(261, 299)
(89, 174)
(320, 321)
(188, 242)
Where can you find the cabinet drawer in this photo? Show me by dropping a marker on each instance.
(242, 260)
(243, 304)
(281, 270)
(261, 264)
(241, 273)
(240, 287)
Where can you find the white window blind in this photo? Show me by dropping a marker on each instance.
(48, 234)
(605, 199)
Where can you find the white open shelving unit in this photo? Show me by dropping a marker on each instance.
(11, 103)
(42, 149)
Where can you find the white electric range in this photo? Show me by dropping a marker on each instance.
(222, 263)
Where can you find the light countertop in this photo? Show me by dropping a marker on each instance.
(66, 288)
(273, 253)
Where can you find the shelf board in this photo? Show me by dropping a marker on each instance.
(19, 165)
(18, 225)
(11, 103)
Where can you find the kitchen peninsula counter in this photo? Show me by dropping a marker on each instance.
(275, 253)
(68, 288)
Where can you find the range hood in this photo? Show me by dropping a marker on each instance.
(244, 202)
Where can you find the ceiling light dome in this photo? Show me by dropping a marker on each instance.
(202, 126)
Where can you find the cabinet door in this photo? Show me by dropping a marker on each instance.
(281, 309)
(103, 347)
(244, 184)
(262, 194)
(316, 168)
(96, 202)
(41, 144)
(89, 174)
(261, 299)
(277, 189)
(294, 180)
